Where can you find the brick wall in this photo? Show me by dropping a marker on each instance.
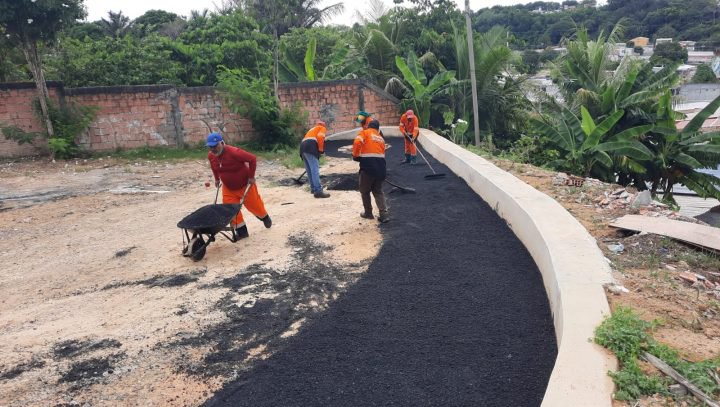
(156, 115)
(337, 102)
(16, 110)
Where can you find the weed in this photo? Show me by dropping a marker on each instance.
(628, 336)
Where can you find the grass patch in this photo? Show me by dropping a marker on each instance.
(159, 153)
(628, 336)
(286, 155)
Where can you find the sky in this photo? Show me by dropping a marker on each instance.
(98, 9)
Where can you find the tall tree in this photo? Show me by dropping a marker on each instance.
(117, 25)
(33, 22)
(279, 16)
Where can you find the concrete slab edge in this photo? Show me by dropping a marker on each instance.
(572, 266)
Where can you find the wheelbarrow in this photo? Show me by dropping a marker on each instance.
(201, 227)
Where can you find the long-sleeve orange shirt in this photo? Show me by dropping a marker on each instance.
(314, 141)
(233, 166)
(409, 126)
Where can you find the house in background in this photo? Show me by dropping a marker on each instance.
(700, 57)
(641, 41)
(688, 45)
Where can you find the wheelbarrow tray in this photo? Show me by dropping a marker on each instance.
(210, 219)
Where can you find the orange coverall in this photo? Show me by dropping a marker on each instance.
(411, 128)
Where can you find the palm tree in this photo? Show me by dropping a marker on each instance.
(375, 11)
(117, 25)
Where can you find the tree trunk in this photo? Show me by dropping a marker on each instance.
(31, 54)
(473, 84)
(276, 63)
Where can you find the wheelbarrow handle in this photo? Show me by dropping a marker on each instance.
(247, 188)
(217, 191)
(242, 200)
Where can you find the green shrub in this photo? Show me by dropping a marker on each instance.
(68, 121)
(628, 336)
(251, 97)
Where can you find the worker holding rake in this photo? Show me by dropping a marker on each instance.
(410, 129)
(235, 169)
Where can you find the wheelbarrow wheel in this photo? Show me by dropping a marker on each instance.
(197, 248)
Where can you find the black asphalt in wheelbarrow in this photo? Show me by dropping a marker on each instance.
(201, 226)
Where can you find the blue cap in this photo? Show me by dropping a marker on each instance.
(213, 139)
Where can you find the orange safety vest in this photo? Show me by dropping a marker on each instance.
(369, 143)
(369, 149)
(409, 126)
(314, 141)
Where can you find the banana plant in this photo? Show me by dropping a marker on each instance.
(343, 65)
(590, 148)
(679, 154)
(291, 71)
(420, 93)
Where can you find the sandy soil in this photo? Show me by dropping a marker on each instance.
(98, 306)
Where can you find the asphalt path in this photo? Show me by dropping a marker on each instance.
(452, 312)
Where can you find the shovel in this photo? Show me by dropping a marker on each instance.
(297, 180)
(401, 189)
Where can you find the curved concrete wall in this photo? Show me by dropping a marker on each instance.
(573, 269)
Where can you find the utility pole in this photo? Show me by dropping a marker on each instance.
(471, 56)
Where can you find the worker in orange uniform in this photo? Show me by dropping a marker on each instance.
(235, 167)
(311, 148)
(410, 129)
(369, 150)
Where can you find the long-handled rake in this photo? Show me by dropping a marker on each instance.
(434, 175)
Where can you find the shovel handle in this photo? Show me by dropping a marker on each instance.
(217, 191)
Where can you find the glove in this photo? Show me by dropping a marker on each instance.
(217, 183)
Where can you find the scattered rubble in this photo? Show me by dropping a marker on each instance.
(606, 197)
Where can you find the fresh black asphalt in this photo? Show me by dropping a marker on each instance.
(451, 312)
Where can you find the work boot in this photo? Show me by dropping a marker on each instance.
(321, 194)
(413, 160)
(241, 233)
(266, 221)
(366, 215)
(406, 159)
(384, 217)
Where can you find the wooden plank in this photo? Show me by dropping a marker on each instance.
(699, 235)
(665, 368)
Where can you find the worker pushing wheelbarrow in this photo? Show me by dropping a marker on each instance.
(234, 170)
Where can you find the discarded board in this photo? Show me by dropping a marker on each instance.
(665, 368)
(698, 235)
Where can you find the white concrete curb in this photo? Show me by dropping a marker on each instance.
(572, 266)
(573, 269)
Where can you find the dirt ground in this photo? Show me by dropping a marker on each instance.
(649, 267)
(98, 307)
